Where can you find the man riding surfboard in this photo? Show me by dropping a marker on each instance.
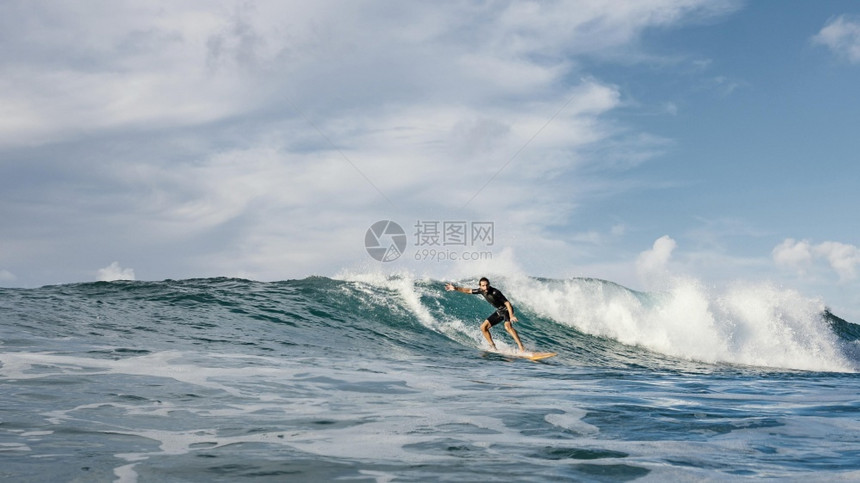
(504, 310)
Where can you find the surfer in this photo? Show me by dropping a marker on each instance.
(504, 310)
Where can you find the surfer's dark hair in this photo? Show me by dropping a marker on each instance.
(484, 279)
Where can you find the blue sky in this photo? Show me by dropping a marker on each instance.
(628, 141)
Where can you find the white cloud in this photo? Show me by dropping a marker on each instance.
(130, 67)
(7, 276)
(802, 256)
(115, 272)
(842, 258)
(793, 254)
(654, 263)
(842, 36)
(183, 63)
(243, 135)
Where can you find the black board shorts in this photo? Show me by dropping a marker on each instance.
(498, 316)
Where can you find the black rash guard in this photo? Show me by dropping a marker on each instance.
(496, 298)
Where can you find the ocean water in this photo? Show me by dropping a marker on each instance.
(387, 378)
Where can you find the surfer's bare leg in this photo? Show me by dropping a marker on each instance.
(485, 328)
(510, 328)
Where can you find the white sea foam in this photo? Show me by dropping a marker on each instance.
(13, 447)
(746, 323)
(388, 434)
(572, 419)
(21, 365)
(409, 295)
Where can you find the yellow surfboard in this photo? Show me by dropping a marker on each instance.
(532, 356)
(536, 356)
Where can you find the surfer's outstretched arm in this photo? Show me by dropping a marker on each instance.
(450, 286)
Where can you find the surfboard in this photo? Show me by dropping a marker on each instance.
(536, 356)
(532, 356)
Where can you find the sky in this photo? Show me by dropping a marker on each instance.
(628, 140)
